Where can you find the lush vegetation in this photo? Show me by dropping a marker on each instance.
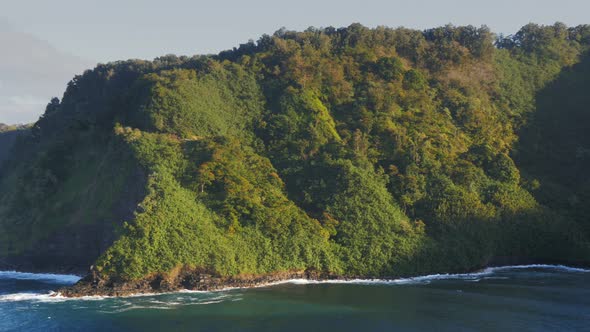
(355, 151)
(8, 135)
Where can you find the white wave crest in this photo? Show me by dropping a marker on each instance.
(57, 278)
(475, 276)
(46, 297)
(32, 297)
(540, 266)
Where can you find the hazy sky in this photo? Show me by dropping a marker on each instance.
(44, 43)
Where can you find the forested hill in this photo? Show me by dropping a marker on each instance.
(8, 135)
(353, 152)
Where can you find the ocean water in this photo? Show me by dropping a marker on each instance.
(517, 298)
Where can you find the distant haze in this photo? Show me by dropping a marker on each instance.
(44, 43)
(31, 71)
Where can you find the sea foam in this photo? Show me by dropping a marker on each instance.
(32, 297)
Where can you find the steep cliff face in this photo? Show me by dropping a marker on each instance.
(328, 153)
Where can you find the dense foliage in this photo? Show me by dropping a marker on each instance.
(356, 151)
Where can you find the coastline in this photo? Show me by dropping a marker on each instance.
(198, 280)
(183, 280)
(556, 292)
(206, 283)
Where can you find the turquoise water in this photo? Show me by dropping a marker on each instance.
(533, 298)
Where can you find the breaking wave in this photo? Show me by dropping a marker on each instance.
(485, 273)
(64, 279)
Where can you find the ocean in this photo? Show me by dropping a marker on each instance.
(512, 298)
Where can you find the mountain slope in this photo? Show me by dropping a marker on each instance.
(340, 152)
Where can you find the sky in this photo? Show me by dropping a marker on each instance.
(45, 43)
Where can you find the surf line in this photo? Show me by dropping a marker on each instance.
(71, 279)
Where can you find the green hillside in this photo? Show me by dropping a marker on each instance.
(353, 152)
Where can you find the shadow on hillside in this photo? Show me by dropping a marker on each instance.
(555, 146)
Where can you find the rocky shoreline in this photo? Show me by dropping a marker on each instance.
(184, 279)
(93, 284)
